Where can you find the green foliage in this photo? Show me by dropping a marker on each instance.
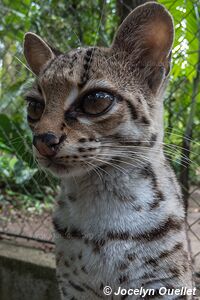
(70, 24)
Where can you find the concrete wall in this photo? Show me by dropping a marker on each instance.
(26, 274)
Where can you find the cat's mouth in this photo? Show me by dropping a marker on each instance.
(58, 168)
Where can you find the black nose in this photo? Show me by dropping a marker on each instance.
(47, 143)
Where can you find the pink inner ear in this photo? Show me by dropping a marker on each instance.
(146, 34)
(158, 35)
(158, 39)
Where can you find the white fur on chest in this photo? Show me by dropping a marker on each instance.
(118, 203)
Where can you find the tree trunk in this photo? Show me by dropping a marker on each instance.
(124, 7)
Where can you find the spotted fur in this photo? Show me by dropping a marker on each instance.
(119, 219)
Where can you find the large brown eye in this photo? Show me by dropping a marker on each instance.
(97, 103)
(35, 110)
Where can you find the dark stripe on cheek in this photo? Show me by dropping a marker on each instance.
(153, 139)
(148, 172)
(132, 109)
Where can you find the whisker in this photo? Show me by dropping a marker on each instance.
(24, 65)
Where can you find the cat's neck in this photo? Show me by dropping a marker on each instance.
(121, 175)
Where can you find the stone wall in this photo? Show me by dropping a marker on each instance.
(26, 274)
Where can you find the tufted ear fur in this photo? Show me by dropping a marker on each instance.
(145, 37)
(37, 52)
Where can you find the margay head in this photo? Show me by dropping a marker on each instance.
(100, 106)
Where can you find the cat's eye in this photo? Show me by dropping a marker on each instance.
(97, 103)
(35, 110)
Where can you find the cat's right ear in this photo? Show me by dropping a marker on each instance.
(145, 39)
(36, 52)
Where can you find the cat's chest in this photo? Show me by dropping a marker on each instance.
(82, 261)
(126, 206)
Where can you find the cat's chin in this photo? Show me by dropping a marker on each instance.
(61, 170)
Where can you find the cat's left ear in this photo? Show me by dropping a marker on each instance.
(145, 38)
(37, 52)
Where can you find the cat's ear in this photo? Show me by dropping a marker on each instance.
(146, 38)
(37, 52)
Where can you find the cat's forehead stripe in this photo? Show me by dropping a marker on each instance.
(87, 62)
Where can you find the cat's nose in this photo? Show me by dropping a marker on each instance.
(48, 143)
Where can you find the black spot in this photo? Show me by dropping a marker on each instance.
(91, 149)
(86, 241)
(84, 270)
(66, 263)
(63, 126)
(76, 233)
(123, 266)
(75, 272)
(123, 278)
(83, 140)
(131, 256)
(61, 203)
(70, 116)
(81, 149)
(138, 99)
(175, 272)
(112, 235)
(72, 258)
(64, 292)
(85, 66)
(145, 121)
(80, 256)
(153, 262)
(153, 139)
(98, 245)
(62, 231)
(76, 286)
(71, 198)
